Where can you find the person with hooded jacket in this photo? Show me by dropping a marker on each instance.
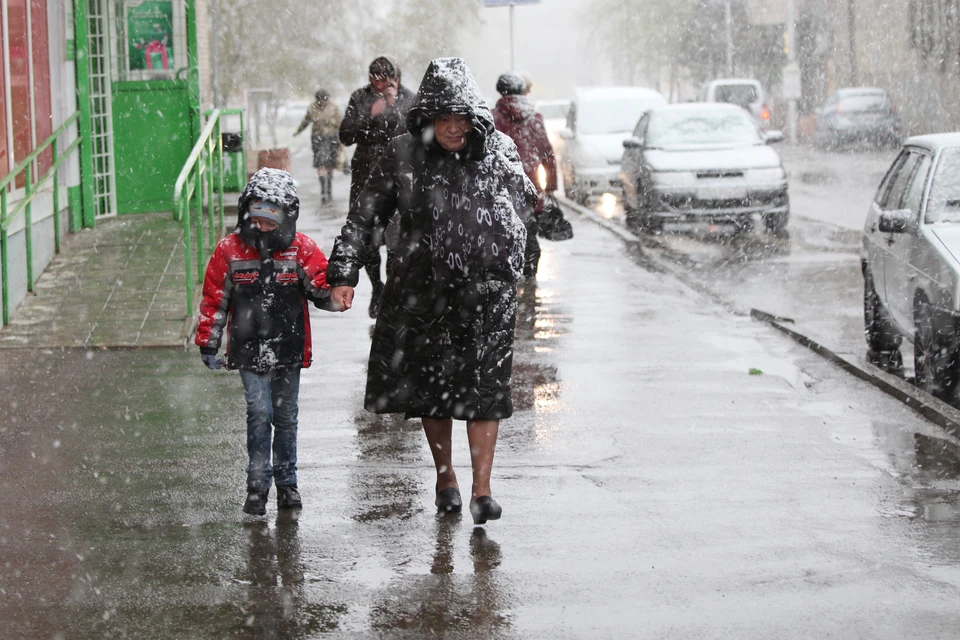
(515, 116)
(442, 347)
(375, 114)
(256, 288)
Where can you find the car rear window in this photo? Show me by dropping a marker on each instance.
(943, 203)
(865, 102)
(741, 94)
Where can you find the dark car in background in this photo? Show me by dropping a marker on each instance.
(858, 115)
(703, 167)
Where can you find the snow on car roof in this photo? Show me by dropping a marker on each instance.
(935, 141)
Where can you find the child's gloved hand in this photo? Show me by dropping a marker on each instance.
(212, 361)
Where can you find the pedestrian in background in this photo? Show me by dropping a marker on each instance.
(442, 347)
(257, 285)
(376, 113)
(516, 116)
(323, 117)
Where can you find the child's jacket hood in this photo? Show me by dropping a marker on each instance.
(273, 185)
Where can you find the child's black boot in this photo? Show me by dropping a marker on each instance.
(256, 503)
(288, 497)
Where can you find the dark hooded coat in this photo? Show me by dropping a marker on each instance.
(257, 285)
(370, 133)
(443, 342)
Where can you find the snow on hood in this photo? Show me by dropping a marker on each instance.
(276, 186)
(697, 158)
(608, 146)
(448, 87)
(949, 235)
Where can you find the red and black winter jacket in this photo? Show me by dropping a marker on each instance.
(267, 319)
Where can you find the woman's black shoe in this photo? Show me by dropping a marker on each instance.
(448, 500)
(484, 508)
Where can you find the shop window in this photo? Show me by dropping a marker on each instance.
(151, 37)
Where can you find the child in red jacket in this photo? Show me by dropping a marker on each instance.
(257, 286)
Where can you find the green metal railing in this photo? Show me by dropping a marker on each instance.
(24, 206)
(202, 174)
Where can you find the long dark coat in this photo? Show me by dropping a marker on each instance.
(443, 342)
(370, 133)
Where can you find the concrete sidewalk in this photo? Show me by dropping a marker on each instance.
(118, 285)
(671, 471)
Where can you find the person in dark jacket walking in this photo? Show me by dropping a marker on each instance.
(442, 348)
(257, 285)
(376, 113)
(324, 120)
(515, 116)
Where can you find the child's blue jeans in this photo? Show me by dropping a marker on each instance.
(271, 401)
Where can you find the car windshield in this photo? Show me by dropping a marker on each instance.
(736, 94)
(553, 111)
(864, 102)
(943, 203)
(683, 128)
(612, 115)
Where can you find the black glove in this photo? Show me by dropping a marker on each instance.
(212, 361)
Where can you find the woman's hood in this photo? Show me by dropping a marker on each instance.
(272, 185)
(448, 87)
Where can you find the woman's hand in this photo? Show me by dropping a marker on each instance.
(343, 296)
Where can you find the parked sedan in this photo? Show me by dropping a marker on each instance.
(598, 121)
(859, 114)
(911, 261)
(702, 166)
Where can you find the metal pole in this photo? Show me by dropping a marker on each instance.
(792, 58)
(728, 20)
(216, 53)
(512, 66)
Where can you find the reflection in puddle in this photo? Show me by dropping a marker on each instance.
(451, 601)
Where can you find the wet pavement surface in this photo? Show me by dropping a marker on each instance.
(672, 471)
(121, 284)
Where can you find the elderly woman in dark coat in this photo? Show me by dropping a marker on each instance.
(443, 344)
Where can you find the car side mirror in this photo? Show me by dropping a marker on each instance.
(896, 221)
(566, 133)
(773, 136)
(633, 143)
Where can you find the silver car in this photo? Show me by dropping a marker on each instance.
(703, 166)
(598, 121)
(911, 261)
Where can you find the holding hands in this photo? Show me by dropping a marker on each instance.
(343, 296)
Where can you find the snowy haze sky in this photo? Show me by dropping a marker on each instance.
(550, 44)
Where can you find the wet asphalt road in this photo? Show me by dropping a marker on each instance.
(652, 487)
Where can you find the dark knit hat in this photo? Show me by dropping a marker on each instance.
(510, 84)
(385, 67)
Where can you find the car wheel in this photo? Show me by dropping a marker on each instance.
(878, 329)
(934, 354)
(776, 223)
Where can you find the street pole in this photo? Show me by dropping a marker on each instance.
(791, 60)
(512, 67)
(728, 20)
(216, 54)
